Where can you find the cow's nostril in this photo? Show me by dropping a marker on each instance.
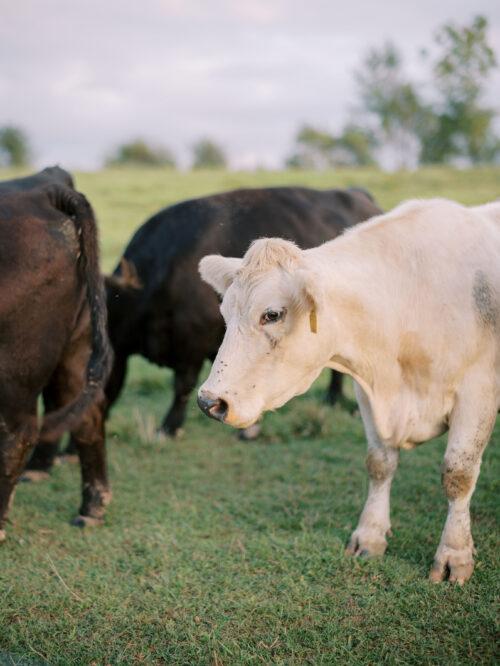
(218, 410)
(215, 408)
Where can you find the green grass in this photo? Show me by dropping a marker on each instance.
(221, 552)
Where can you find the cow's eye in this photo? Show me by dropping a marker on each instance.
(272, 316)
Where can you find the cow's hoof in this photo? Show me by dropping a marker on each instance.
(161, 436)
(250, 433)
(34, 476)
(86, 521)
(3, 536)
(367, 543)
(164, 434)
(455, 565)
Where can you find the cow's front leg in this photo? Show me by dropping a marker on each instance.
(369, 538)
(470, 430)
(184, 382)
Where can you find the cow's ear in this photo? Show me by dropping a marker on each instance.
(309, 295)
(219, 272)
(127, 280)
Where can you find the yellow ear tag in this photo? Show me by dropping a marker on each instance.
(313, 321)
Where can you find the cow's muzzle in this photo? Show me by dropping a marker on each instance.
(216, 408)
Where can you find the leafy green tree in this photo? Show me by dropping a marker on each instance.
(208, 155)
(354, 146)
(392, 101)
(318, 149)
(313, 149)
(140, 153)
(465, 62)
(463, 127)
(14, 147)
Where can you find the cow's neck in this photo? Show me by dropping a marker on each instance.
(356, 343)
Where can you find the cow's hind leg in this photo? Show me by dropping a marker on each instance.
(89, 439)
(16, 443)
(184, 382)
(113, 389)
(369, 537)
(471, 425)
(46, 450)
(68, 381)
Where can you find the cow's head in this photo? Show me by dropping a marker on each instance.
(272, 305)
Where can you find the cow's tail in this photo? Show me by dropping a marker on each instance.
(76, 206)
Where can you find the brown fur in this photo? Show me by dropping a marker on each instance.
(127, 279)
(53, 331)
(414, 362)
(377, 466)
(457, 482)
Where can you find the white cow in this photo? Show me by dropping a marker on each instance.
(408, 304)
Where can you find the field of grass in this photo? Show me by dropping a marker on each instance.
(220, 552)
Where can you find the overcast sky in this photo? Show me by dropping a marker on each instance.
(81, 77)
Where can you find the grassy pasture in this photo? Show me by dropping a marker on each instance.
(220, 552)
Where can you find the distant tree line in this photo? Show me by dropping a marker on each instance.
(440, 121)
(207, 154)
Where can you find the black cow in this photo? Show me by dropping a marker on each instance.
(159, 307)
(53, 335)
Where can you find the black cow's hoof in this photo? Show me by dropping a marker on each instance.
(164, 434)
(86, 521)
(161, 435)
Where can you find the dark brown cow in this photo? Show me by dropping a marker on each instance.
(52, 326)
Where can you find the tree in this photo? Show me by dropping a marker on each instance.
(465, 62)
(313, 151)
(140, 153)
(316, 145)
(208, 155)
(318, 149)
(463, 127)
(14, 147)
(354, 146)
(393, 102)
